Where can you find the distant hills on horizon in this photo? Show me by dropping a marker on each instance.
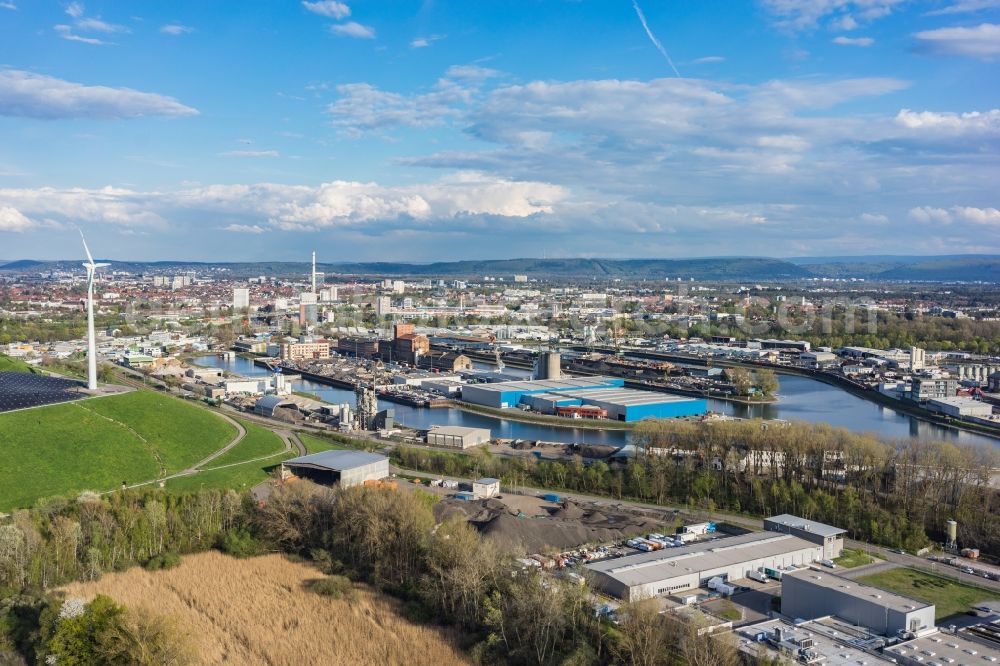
(943, 268)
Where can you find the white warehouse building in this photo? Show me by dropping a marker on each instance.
(673, 570)
(457, 436)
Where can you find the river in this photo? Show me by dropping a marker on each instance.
(799, 399)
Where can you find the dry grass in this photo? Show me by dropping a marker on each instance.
(258, 611)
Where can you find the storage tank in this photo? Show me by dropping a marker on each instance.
(951, 527)
(548, 366)
(553, 365)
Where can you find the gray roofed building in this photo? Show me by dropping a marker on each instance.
(344, 468)
(457, 436)
(825, 641)
(977, 644)
(812, 593)
(828, 536)
(674, 570)
(267, 405)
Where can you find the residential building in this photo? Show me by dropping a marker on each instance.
(241, 298)
(303, 351)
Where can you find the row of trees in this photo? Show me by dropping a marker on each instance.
(444, 572)
(763, 381)
(895, 494)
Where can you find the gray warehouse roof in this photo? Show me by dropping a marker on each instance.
(270, 402)
(794, 522)
(625, 397)
(336, 460)
(456, 431)
(671, 562)
(957, 648)
(869, 593)
(564, 384)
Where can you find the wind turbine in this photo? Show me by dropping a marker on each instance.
(91, 338)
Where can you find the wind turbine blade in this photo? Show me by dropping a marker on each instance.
(85, 248)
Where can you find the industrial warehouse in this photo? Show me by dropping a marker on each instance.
(811, 593)
(343, 468)
(828, 536)
(606, 395)
(457, 436)
(675, 570)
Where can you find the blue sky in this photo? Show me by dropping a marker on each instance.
(440, 129)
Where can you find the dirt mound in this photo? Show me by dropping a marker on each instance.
(534, 535)
(568, 526)
(596, 451)
(569, 511)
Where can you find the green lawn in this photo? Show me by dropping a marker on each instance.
(315, 444)
(183, 433)
(8, 364)
(854, 558)
(68, 448)
(948, 596)
(258, 443)
(238, 477)
(63, 449)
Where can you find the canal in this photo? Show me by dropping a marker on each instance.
(799, 399)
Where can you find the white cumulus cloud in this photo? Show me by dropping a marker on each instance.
(245, 228)
(176, 29)
(970, 214)
(853, 41)
(38, 96)
(353, 29)
(330, 8)
(974, 122)
(448, 202)
(843, 14)
(250, 153)
(11, 219)
(982, 41)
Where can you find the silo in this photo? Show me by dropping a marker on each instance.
(951, 527)
(553, 365)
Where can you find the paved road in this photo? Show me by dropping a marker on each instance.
(921, 564)
(293, 438)
(241, 432)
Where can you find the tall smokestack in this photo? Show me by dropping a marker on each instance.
(314, 273)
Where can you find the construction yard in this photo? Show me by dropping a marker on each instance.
(524, 524)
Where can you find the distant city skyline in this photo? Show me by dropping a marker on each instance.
(439, 130)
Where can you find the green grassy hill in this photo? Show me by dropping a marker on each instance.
(68, 448)
(234, 469)
(181, 432)
(8, 364)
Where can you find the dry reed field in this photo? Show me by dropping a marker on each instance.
(258, 611)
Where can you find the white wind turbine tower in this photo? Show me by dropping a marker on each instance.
(91, 338)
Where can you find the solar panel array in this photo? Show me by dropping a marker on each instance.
(19, 390)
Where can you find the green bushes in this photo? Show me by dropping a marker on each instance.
(166, 560)
(239, 543)
(335, 587)
(103, 633)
